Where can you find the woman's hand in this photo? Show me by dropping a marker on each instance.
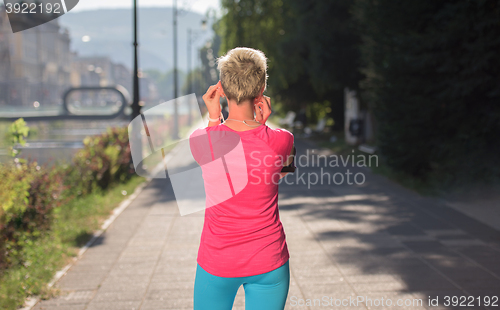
(212, 100)
(262, 106)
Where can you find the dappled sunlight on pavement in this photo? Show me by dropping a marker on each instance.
(354, 244)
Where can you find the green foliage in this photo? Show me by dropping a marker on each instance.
(73, 225)
(104, 160)
(428, 70)
(15, 184)
(318, 110)
(30, 195)
(165, 82)
(79, 218)
(194, 83)
(42, 256)
(16, 133)
(432, 77)
(311, 47)
(199, 79)
(209, 53)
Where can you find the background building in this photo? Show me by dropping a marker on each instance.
(34, 63)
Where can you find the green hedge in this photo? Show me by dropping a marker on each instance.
(29, 193)
(103, 161)
(432, 77)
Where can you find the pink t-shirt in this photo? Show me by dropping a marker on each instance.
(242, 233)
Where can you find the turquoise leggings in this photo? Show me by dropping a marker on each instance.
(267, 291)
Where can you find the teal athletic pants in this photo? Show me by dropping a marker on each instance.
(267, 291)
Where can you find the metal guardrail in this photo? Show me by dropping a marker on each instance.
(76, 109)
(89, 102)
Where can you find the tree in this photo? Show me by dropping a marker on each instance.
(311, 47)
(432, 76)
(165, 82)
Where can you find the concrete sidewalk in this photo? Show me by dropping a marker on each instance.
(347, 242)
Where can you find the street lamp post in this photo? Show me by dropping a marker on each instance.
(189, 73)
(136, 108)
(190, 42)
(192, 36)
(175, 134)
(135, 136)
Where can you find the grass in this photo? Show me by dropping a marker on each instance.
(73, 226)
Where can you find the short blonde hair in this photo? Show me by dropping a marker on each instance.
(243, 73)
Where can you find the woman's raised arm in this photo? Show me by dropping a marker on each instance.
(212, 101)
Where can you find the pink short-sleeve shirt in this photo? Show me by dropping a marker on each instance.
(242, 233)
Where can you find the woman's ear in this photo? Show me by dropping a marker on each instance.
(262, 90)
(221, 91)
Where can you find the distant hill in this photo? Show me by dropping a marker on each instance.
(110, 32)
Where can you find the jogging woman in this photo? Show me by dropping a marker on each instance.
(242, 159)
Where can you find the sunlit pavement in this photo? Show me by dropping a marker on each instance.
(370, 241)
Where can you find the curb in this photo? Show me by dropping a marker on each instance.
(30, 302)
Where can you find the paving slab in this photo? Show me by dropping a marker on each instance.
(369, 241)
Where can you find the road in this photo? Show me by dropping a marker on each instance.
(360, 245)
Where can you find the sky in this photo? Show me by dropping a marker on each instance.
(199, 6)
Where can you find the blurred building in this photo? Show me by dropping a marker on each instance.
(102, 71)
(123, 76)
(4, 51)
(92, 71)
(148, 90)
(37, 66)
(34, 63)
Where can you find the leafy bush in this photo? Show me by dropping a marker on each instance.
(28, 194)
(15, 134)
(104, 160)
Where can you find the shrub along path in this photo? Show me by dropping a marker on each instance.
(47, 211)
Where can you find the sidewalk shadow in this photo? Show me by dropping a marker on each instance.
(381, 229)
